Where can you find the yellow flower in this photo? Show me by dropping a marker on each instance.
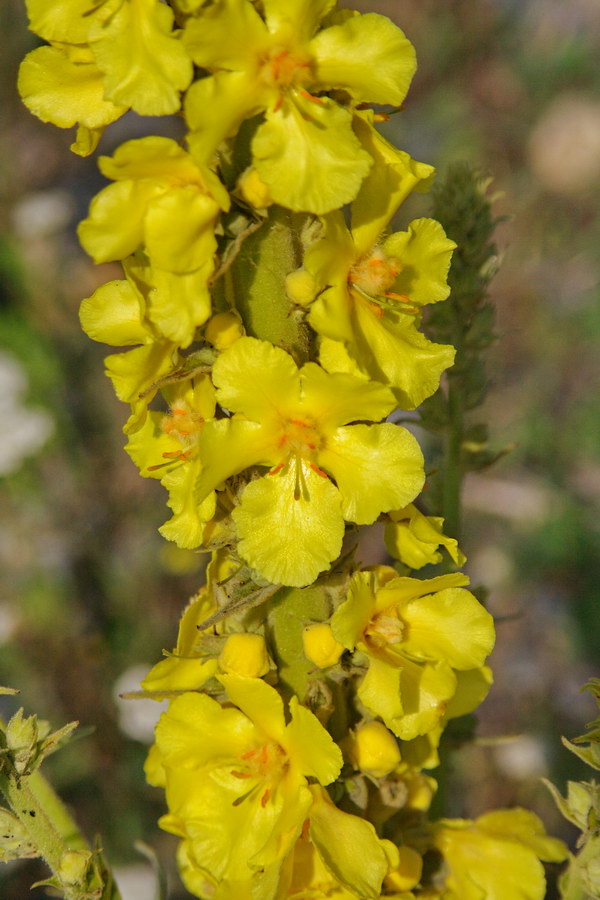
(115, 314)
(104, 58)
(305, 152)
(296, 423)
(168, 447)
(414, 538)
(62, 84)
(236, 776)
(417, 636)
(160, 201)
(368, 289)
(496, 856)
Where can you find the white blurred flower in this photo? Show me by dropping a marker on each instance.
(137, 718)
(564, 146)
(25, 430)
(135, 882)
(522, 758)
(43, 213)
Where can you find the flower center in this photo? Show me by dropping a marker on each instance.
(384, 628)
(282, 67)
(183, 423)
(267, 764)
(376, 273)
(299, 438)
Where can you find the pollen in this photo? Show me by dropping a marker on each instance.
(267, 764)
(376, 273)
(183, 423)
(384, 628)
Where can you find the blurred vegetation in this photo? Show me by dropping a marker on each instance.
(89, 588)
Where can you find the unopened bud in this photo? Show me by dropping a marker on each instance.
(253, 190)
(320, 646)
(407, 873)
(301, 287)
(245, 654)
(223, 330)
(375, 750)
(73, 866)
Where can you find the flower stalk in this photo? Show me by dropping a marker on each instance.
(272, 322)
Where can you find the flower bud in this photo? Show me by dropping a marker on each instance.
(253, 190)
(245, 654)
(223, 330)
(374, 750)
(73, 866)
(301, 287)
(407, 873)
(320, 646)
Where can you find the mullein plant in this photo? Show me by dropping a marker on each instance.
(272, 323)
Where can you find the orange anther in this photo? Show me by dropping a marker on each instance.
(277, 468)
(282, 440)
(249, 754)
(265, 797)
(241, 774)
(308, 96)
(299, 422)
(319, 471)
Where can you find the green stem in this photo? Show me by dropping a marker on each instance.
(453, 470)
(572, 882)
(49, 825)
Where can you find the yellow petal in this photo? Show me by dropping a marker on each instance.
(368, 56)
(114, 227)
(225, 36)
(179, 229)
(290, 525)
(308, 156)
(260, 702)
(257, 379)
(450, 624)
(113, 315)
(425, 252)
(181, 733)
(145, 66)
(351, 618)
(393, 177)
(376, 468)
(335, 400)
(348, 846)
(313, 749)
(60, 20)
(57, 90)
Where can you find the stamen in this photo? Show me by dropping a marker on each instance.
(265, 797)
(314, 99)
(278, 467)
(318, 471)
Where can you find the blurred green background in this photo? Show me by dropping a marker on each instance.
(91, 593)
